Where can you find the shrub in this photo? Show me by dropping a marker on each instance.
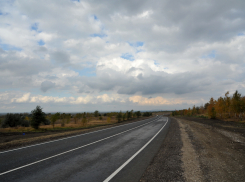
(14, 120)
(147, 114)
(108, 119)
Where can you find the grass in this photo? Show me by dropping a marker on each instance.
(57, 127)
(94, 122)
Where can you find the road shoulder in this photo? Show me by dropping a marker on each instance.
(199, 150)
(167, 163)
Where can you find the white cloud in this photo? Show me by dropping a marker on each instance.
(159, 101)
(189, 51)
(24, 98)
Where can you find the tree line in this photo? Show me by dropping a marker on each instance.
(223, 108)
(38, 117)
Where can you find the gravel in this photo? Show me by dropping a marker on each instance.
(200, 150)
(167, 164)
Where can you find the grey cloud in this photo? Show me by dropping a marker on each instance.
(46, 85)
(60, 57)
(134, 69)
(51, 77)
(42, 49)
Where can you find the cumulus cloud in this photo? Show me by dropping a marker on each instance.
(120, 52)
(159, 101)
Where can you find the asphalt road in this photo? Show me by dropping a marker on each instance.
(120, 153)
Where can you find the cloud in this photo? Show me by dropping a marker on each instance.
(158, 101)
(24, 98)
(46, 85)
(172, 52)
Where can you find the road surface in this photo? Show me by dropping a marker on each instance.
(120, 153)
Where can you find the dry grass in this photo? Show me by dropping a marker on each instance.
(93, 122)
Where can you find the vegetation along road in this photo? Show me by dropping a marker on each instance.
(103, 155)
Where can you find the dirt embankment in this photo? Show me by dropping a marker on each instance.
(210, 151)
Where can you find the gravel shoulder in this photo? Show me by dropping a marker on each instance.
(200, 150)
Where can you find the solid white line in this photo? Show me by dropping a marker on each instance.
(131, 158)
(71, 150)
(69, 137)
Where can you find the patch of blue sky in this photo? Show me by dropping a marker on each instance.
(8, 47)
(95, 17)
(88, 72)
(101, 35)
(212, 55)
(240, 34)
(136, 44)
(41, 42)
(156, 63)
(128, 56)
(34, 26)
(3, 14)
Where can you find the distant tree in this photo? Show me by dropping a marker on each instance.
(63, 117)
(138, 114)
(227, 101)
(119, 117)
(124, 116)
(206, 106)
(194, 111)
(129, 115)
(68, 118)
(100, 118)
(84, 121)
(211, 108)
(198, 110)
(236, 102)
(189, 112)
(38, 116)
(132, 113)
(54, 118)
(96, 113)
(212, 113)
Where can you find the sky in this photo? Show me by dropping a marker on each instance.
(76, 56)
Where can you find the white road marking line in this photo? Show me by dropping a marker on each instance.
(131, 158)
(69, 137)
(71, 150)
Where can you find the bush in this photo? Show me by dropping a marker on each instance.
(14, 120)
(147, 114)
(46, 122)
(25, 123)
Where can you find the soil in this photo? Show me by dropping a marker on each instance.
(17, 139)
(209, 150)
